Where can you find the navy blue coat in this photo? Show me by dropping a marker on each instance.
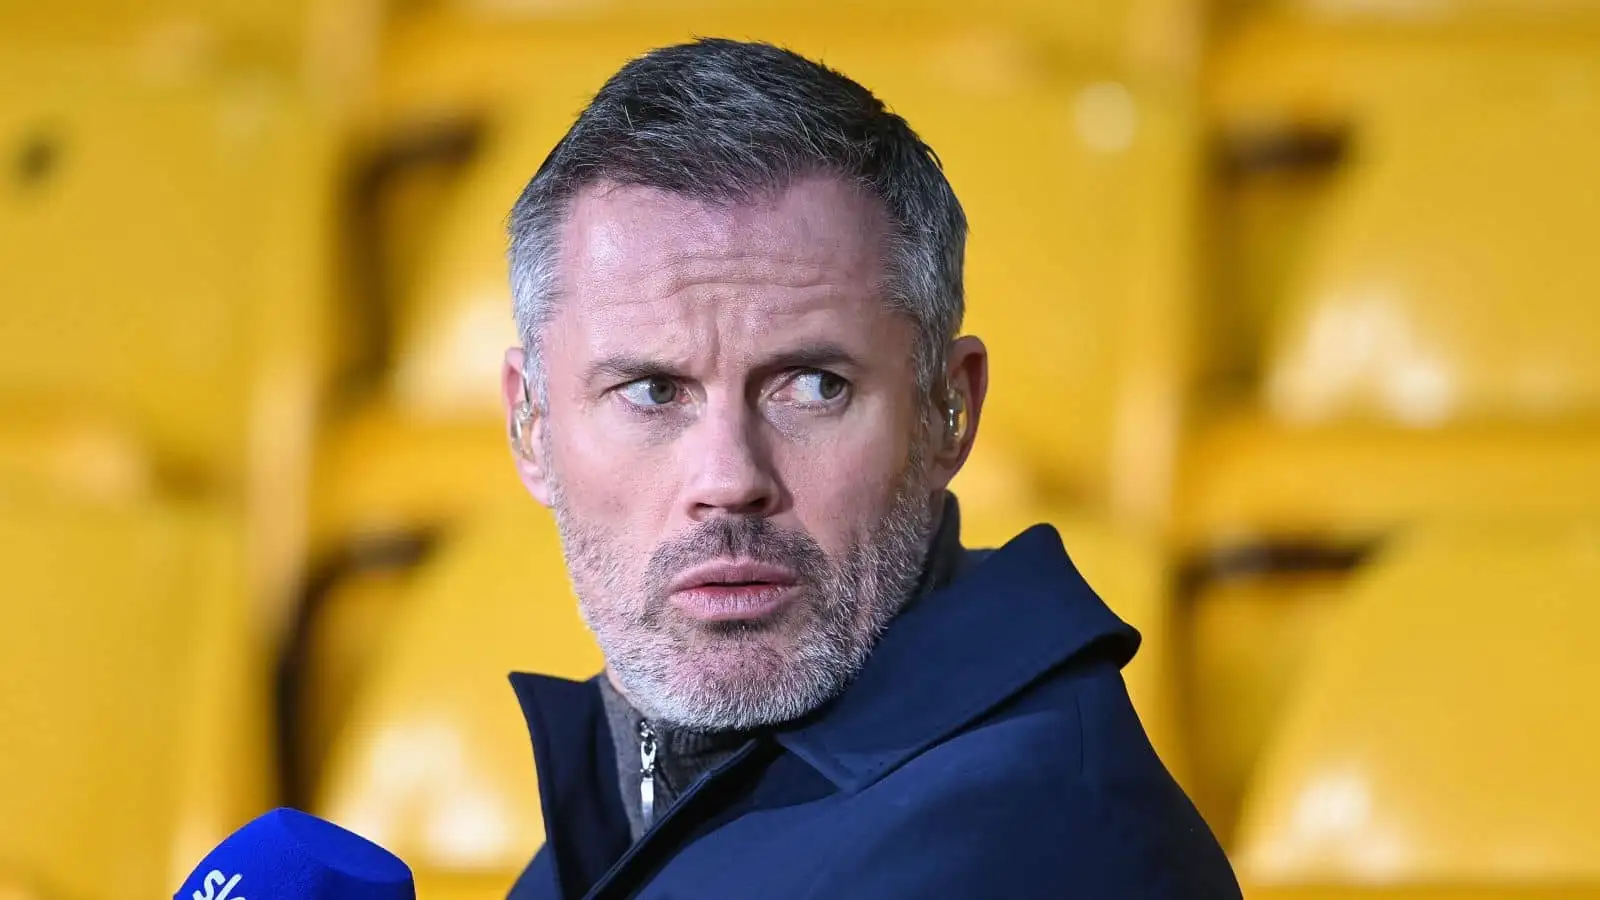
(987, 749)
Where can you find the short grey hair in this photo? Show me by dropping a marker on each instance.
(724, 121)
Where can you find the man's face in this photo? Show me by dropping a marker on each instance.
(734, 445)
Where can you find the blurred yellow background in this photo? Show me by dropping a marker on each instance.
(1294, 311)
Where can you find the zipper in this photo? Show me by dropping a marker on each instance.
(608, 885)
(647, 772)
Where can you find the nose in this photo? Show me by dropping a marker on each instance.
(731, 465)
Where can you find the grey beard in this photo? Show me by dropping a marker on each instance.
(740, 683)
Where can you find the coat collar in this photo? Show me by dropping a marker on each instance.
(956, 654)
(586, 828)
(952, 656)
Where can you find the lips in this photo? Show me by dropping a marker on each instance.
(733, 590)
(734, 573)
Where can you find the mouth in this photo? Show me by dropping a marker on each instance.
(733, 590)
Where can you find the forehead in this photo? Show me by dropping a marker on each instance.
(646, 256)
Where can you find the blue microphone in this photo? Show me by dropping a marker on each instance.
(290, 855)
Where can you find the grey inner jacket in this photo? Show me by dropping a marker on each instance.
(683, 755)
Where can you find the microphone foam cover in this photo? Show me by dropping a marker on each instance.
(290, 855)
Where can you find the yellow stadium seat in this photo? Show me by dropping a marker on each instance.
(434, 761)
(346, 619)
(389, 488)
(133, 726)
(1285, 515)
(1245, 641)
(129, 276)
(1435, 353)
(1444, 734)
(1439, 348)
(1436, 295)
(166, 227)
(1264, 208)
(1301, 100)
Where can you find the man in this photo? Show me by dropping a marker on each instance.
(738, 283)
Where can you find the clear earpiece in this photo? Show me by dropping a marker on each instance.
(955, 417)
(522, 421)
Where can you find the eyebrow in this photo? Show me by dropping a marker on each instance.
(820, 355)
(625, 367)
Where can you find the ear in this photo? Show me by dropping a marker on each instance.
(524, 420)
(966, 377)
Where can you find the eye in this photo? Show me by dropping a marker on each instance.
(814, 387)
(654, 391)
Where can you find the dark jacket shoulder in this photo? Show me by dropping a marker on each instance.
(1057, 793)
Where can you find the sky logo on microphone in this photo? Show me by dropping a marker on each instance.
(290, 855)
(215, 879)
